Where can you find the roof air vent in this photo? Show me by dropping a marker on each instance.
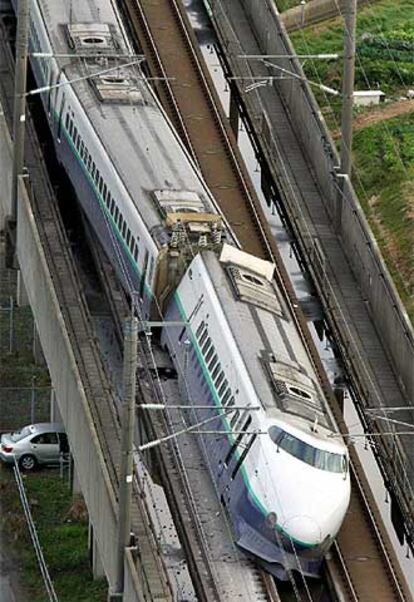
(254, 288)
(93, 38)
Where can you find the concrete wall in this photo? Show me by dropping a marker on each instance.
(73, 405)
(5, 170)
(362, 252)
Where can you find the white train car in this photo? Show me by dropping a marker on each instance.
(136, 183)
(280, 466)
(281, 472)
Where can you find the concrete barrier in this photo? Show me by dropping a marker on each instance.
(6, 162)
(386, 309)
(73, 404)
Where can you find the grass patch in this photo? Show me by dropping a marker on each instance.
(384, 182)
(63, 535)
(385, 57)
(285, 4)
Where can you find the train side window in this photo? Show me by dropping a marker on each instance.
(209, 354)
(215, 371)
(124, 227)
(120, 221)
(213, 362)
(70, 128)
(116, 214)
(203, 338)
(200, 329)
(108, 199)
(206, 346)
(67, 121)
(243, 455)
(104, 191)
(112, 206)
(226, 397)
(75, 134)
(219, 379)
(223, 388)
(100, 184)
(93, 170)
(78, 142)
(97, 176)
(235, 445)
(231, 401)
(88, 167)
(82, 149)
(136, 252)
(128, 236)
(132, 245)
(234, 418)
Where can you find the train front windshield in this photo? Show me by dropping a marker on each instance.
(319, 458)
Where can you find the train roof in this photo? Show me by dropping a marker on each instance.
(127, 118)
(266, 335)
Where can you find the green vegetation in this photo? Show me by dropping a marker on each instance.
(285, 4)
(384, 150)
(62, 528)
(385, 42)
(384, 181)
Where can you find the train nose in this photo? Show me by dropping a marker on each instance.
(304, 529)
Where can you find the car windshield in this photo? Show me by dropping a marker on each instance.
(18, 435)
(319, 458)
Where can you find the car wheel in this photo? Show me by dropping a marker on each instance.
(27, 463)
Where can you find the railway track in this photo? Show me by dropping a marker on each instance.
(364, 550)
(76, 317)
(218, 570)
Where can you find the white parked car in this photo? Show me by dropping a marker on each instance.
(34, 445)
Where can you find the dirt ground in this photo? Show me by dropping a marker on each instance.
(382, 113)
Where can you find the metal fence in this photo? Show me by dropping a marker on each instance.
(23, 405)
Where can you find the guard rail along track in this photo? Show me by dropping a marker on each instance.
(213, 577)
(74, 318)
(164, 33)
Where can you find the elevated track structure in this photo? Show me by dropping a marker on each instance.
(189, 97)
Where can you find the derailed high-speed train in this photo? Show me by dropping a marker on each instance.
(279, 466)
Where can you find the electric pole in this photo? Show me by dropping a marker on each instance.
(350, 11)
(19, 109)
(348, 86)
(126, 472)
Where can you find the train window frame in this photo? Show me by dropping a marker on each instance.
(206, 346)
(209, 354)
(213, 362)
(226, 396)
(202, 338)
(215, 371)
(219, 379)
(199, 329)
(234, 419)
(231, 401)
(223, 387)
